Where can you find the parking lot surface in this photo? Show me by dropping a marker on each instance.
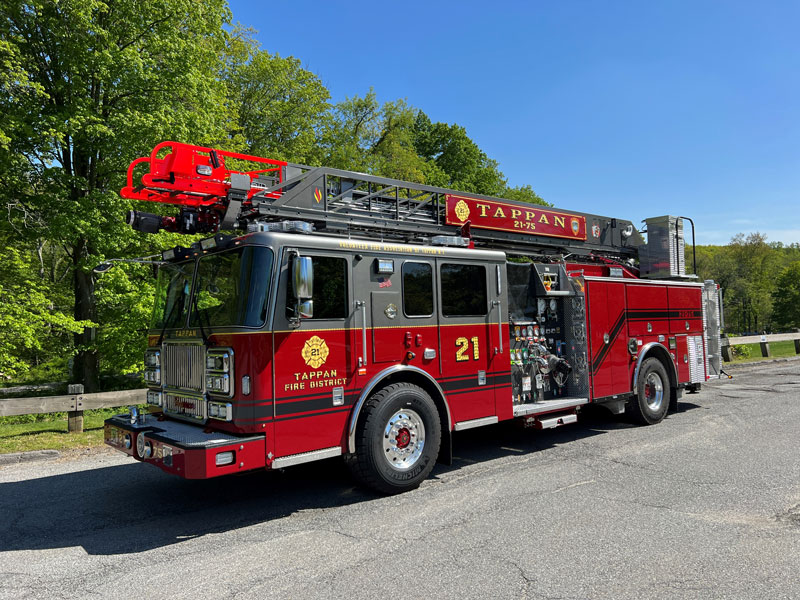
(703, 505)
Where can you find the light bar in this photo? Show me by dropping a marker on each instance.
(450, 240)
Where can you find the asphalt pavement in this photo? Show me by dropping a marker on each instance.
(703, 505)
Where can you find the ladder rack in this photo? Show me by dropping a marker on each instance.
(339, 202)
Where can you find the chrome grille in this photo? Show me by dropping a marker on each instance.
(187, 406)
(184, 366)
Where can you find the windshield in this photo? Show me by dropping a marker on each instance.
(232, 288)
(172, 295)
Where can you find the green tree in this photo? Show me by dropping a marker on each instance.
(746, 270)
(756, 265)
(93, 85)
(786, 298)
(524, 193)
(465, 165)
(27, 311)
(280, 107)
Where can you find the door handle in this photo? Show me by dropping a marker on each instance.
(362, 360)
(499, 324)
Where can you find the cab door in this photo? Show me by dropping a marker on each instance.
(465, 314)
(399, 296)
(314, 360)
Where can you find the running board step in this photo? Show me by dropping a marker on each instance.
(551, 421)
(475, 423)
(547, 406)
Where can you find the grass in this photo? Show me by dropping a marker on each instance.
(49, 432)
(777, 349)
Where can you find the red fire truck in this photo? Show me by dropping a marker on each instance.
(332, 313)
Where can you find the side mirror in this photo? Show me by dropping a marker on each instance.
(302, 277)
(305, 309)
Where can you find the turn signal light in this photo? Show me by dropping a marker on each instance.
(224, 458)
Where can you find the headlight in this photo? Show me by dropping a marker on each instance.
(152, 367)
(220, 410)
(152, 376)
(154, 398)
(152, 358)
(218, 384)
(218, 360)
(219, 371)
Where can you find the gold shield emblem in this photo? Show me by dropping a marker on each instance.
(462, 210)
(315, 352)
(576, 226)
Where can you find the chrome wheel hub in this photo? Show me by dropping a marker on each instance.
(653, 391)
(403, 439)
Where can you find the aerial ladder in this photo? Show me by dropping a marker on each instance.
(220, 190)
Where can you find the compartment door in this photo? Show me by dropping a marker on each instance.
(607, 338)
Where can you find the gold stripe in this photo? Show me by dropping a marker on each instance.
(334, 329)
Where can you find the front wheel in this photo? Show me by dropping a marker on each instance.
(651, 403)
(397, 439)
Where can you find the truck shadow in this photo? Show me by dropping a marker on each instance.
(132, 507)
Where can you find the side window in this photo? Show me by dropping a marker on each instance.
(417, 289)
(463, 290)
(330, 288)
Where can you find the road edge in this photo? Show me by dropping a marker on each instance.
(14, 458)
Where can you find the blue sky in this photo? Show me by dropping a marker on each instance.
(626, 109)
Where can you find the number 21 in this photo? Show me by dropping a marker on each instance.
(463, 348)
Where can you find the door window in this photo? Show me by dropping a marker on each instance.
(463, 290)
(330, 288)
(417, 289)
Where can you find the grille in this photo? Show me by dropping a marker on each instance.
(184, 366)
(185, 405)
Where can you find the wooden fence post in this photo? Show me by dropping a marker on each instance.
(725, 348)
(75, 417)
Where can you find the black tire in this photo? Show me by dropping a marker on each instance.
(397, 439)
(651, 403)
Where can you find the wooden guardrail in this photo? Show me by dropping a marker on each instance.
(73, 403)
(763, 340)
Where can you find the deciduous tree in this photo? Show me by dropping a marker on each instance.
(90, 86)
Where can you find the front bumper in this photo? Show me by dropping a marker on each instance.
(183, 449)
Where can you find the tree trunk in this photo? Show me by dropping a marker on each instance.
(87, 363)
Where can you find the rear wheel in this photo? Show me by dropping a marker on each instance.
(397, 439)
(651, 403)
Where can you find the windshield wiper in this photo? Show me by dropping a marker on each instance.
(200, 318)
(166, 323)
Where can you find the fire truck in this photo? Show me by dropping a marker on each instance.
(331, 313)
